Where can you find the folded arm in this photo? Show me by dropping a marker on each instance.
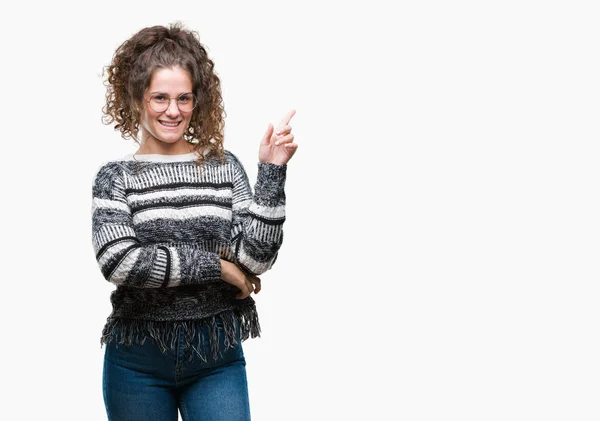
(124, 260)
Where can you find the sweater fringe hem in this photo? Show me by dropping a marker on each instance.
(164, 333)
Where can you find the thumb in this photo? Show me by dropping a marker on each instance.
(266, 140)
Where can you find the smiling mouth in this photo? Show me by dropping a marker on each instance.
(166, 124)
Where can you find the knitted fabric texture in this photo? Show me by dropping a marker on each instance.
(159, 228)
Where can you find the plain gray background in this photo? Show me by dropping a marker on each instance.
(440, 255)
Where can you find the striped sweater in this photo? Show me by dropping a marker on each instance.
(160, 224)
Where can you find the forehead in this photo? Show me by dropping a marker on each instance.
(169, 80)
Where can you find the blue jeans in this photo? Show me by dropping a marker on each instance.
(141, 383)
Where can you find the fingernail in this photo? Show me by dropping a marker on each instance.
(277, 143)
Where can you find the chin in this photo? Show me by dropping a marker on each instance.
(171, 138)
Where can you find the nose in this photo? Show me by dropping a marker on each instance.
(172, 110)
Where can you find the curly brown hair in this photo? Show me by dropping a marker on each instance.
(130, 72)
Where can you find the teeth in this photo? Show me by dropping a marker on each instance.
(169, 124)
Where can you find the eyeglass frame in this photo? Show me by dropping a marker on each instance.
(170, 98)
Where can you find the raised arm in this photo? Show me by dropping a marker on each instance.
(257, 230)
(124, 259)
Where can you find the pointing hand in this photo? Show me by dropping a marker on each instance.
(277, 146)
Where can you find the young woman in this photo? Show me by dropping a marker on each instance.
(180, 233)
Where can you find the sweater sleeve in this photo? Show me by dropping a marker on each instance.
(257, 223)
(124, 259)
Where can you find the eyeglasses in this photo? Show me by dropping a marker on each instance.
(160, 102)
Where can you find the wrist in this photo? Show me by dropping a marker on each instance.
(225, 268)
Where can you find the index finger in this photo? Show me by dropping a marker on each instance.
(286, 120)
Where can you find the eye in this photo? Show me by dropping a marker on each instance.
(185, 99)
(160, 98)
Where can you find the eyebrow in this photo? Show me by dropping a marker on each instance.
(165, 93)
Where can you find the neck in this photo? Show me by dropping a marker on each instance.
(162, 148)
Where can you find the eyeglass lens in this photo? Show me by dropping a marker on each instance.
(160, 102)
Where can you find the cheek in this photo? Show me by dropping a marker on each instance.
(148, 120)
